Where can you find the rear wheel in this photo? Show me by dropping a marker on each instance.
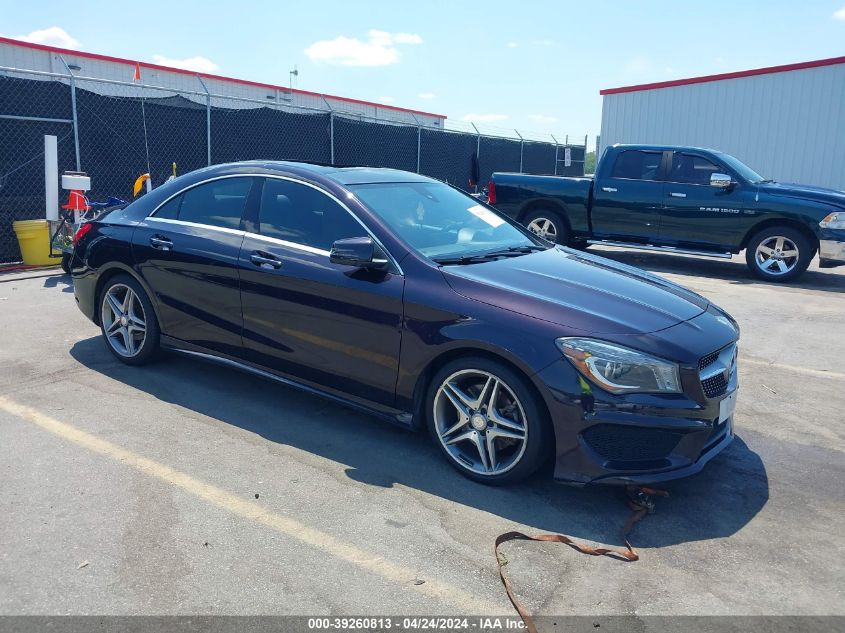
(778, 253)
(548, 225)
(486, 420)
(127, 321)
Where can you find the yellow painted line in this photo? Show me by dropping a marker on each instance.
(252, 511)
(798, 370)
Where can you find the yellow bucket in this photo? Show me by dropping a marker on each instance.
(34, 240)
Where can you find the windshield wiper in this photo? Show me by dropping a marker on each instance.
(766, 182)
(511, 251)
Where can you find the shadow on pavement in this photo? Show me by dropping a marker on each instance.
(709, 505)
(733, 271)
(66, 281)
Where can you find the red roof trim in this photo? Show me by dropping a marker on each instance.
(734, 75)
(246, 82)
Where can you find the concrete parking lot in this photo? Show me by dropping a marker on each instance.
(187, 488)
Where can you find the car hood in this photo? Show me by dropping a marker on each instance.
(805, 192)
(579, 291)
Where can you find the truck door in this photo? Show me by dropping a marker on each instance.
(627, 202)
(697, 214)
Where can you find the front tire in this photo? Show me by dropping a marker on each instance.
(486, 420)
(778, 253)
(128, 322)
(548, 225)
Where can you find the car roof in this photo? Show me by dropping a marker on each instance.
(341, 175)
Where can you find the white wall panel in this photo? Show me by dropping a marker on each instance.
(786, 125)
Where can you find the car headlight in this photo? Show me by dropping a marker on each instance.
(835, 220)
(620, 369)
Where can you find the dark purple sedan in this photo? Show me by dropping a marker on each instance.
(400, 295)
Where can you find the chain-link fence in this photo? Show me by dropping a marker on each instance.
(116, 130)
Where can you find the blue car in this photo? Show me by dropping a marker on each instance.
(402, 296)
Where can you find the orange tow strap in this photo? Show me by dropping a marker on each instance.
(640, 503)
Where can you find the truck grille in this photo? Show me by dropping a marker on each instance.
(619, 443)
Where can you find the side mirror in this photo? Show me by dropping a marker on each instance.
(360, 252)
(723, 181)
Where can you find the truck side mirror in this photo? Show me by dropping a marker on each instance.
(723, 181)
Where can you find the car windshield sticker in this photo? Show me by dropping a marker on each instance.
(485, 214)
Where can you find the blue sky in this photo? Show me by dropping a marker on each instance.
(535, 66)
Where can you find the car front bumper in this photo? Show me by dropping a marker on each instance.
(832, 251)
(636, 439)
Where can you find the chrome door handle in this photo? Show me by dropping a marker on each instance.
(609, 189)
(161, 243)
(678, 195)
(262, 261)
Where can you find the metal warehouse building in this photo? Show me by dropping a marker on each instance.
(786, 122)
(15, 54)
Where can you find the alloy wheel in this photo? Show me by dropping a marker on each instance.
(124, 321)
(777, 255)
(480, 422)
(544, 227)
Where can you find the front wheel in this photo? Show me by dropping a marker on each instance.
(778, 253)
(548, 225)
(486, 421)
(127, 321)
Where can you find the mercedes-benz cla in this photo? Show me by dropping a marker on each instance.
(400, 295)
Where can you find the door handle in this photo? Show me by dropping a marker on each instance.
(609, 189)
(264, 260)
(678, 195)
(161, 243)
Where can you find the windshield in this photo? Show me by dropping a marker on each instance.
(742, 169)
(439, 221)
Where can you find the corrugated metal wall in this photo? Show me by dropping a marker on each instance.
(16, 56)
(789, 126)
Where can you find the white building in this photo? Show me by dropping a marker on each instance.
(786, 122)
(17, 55)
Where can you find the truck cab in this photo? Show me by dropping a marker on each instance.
(684, 200)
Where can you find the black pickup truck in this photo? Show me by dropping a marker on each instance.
(682, 200)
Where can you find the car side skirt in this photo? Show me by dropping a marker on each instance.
(394, 416)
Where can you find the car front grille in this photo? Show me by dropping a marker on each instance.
(715, 386)
(709, 359)
(716, 370)
(631, 446)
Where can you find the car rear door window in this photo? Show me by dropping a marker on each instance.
(297, 213)
(170, 209)
(692, 169)
(637, 165)
(216, 203)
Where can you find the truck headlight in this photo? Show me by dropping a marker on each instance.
(619, 369)
(835, 220)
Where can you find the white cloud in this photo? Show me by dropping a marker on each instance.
(378, 50)
(427, 95)
(839, 15)
(484, 118)
(386, 99)
(197, 64)
(543, 118)
(53, 36)
(512, 44)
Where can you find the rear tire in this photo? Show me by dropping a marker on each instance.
(127, 321)
(487, 421)
(549, 225)
(779, 253)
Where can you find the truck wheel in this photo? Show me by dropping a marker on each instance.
(548, 225)
(778, 253)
